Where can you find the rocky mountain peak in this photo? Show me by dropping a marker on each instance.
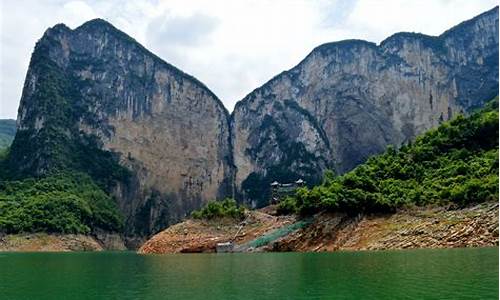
(96, 24)
(348, 100)
(98, 102)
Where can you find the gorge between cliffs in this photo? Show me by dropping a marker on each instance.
(130, 145)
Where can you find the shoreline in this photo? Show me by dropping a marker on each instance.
(56, 242)
(433, 228)
(472, 227)
(418, 228)
(245, 253)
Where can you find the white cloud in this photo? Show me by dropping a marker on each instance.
(77, 12)
(231, 46)
(380, 19)
(174, 36)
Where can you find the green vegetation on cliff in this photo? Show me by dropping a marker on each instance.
(50, 140)
(62, 203)
(55, 177)
(456, 163)
(220, 209)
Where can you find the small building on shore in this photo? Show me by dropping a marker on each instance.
(281, 190)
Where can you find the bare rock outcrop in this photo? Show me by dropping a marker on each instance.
(348, 100)
(94, 92)
(96, 101)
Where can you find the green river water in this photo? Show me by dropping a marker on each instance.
(410, 274)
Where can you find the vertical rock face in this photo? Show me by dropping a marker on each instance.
(348, 100)
(95, 88)
(96, 101)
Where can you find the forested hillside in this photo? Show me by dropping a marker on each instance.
(454, 164)
(61, 203)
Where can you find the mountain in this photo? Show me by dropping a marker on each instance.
(440, 191)
(7, 132)
(162, 144)
(348, 100)
(96, 101)
(455, 164)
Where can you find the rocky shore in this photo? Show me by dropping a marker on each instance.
(261, 230)
(475, 226)
(440, 227)
(193, 236)
(43, 242)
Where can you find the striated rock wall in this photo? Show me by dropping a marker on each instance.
(163, 125)
(96, 101)
(348, 100)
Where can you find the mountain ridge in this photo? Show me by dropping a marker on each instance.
(99, 22)
(370, 43)
(437, 76)
(163, 143)
(98, 102)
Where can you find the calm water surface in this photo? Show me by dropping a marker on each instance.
(411, 274)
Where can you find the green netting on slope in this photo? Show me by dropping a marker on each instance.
(278, 233)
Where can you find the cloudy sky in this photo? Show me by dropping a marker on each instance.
(233, 46)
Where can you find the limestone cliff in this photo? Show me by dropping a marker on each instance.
(94, 93)
(348, 100)
(96, 101)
